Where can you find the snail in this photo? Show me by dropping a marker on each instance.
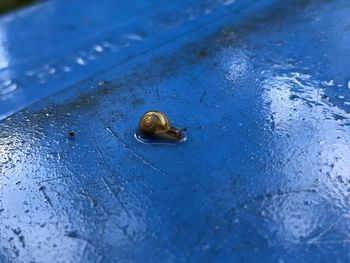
(156, 124)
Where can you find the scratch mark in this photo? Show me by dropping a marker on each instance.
(202, 97)
(115, 196)
(267, 196)
(272, 122)
(46, 197)
(339, 241)
(136, 155)
(4, 175)
(200, 236)
(107, 168)
(83, 251)
(92, 201)
(316, 239)
(76, 235)
(124, 230)
(53, 179)
(18, 232)
(318, 94)
(132, 179)
(105, 211)
(158, 96)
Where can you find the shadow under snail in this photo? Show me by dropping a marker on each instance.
(156, 124)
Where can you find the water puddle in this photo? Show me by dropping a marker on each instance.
(142, 138)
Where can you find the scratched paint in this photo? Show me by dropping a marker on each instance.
(264, 176)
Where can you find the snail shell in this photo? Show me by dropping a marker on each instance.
(156, 124)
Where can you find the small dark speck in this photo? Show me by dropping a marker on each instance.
(17, 231)
(293, 97)
(71, 134)
(324, 97)
(202, 53)
(2, 210)
(41, 188)
(269, 195)
(72, 234)
(21, 239)
(338, 117)
(137, 102)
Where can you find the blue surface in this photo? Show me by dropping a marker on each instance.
(263, 89)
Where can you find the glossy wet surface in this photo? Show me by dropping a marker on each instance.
(145, 139)
(264, 92)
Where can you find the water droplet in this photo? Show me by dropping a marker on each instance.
(29, 73)
(132, 36)
(66, 69)
(206, 247)
(148, 140)
(80, 61)
(109, 46)
(207, 10)
(52, 70)
(228, 2)
(99, 48)
(91, 57)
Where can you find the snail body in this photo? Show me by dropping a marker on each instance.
(156, 124)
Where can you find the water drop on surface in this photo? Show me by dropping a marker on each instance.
(29, 73)
(66, 69)
(137, 37)
(108, 45)
(99, 48)
(207, 10)
(80, 61)
(228, 2)
(52, 70)
(149, 140)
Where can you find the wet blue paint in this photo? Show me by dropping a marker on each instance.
(262, 88)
